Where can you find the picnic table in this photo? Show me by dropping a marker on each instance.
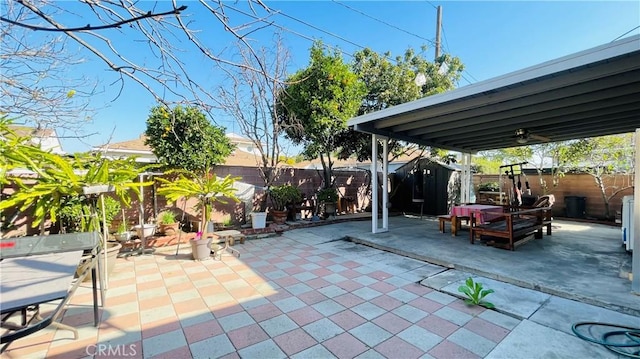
(481, 212)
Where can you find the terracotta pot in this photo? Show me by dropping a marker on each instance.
(169, 229)
(279, 217)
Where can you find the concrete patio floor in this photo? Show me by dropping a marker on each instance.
(579, 261)
(310, 294)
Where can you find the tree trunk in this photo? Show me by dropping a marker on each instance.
(326, 170)
(600, 185)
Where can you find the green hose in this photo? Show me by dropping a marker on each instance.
(630, 336)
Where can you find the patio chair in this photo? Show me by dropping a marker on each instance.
(545, 201)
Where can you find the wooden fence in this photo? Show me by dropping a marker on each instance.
(581, 185)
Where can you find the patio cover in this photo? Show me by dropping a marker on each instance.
(591, 93)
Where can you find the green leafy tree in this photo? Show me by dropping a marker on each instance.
(316, 104)
(393, 82)
(551, 158)
(183, 138)
(485, 163)
(605, 159)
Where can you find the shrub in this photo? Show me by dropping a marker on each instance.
(489, 187)
(167, 217)
(75, 212)
(283, 195)
(327, 195)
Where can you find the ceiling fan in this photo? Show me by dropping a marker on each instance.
(523, 136)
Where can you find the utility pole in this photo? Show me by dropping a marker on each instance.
(438, 26)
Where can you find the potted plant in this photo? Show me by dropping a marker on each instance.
(281, 196)
(328, 197)
(259, 213)
(168, 223)
(207, 188)
(200, 247)
(76, 211)
(123, 234)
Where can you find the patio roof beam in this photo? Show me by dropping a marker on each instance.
(569, 134)
(539, 120)
(485, 93)
(370, 130)
(547, 112)
(548, 100)
(618, 122)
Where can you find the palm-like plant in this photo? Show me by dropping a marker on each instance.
(207, 188)
(59, 178)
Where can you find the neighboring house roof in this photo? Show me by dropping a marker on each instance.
(136, 147)
(47, 138)
(131, 145)
(32, 131)
(236, 138)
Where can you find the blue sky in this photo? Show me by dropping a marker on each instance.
(490, 38)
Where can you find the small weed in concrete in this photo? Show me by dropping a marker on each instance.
(475, 293)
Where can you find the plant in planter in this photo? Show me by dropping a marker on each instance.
(281, 197)
(60, 180)
(123, 234)
(227, 223)
(168, 223)
(489, 187)
(328, 197)
(207, 188)
(76, 211)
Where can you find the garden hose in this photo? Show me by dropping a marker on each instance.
(628, 337)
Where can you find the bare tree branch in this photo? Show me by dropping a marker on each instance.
(249, 97)
(88, 27)
(37, 85)
(169, 38)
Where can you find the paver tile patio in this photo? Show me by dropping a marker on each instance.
(281, 298)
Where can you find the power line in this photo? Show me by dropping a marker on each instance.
(321, 30)
(430, 3)
(273, 23)
(635, 28)
(350, 42)
(446, 42)
(468, 73)
(314, 27)
(278, 12)
(465, 78)
(381, 21)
